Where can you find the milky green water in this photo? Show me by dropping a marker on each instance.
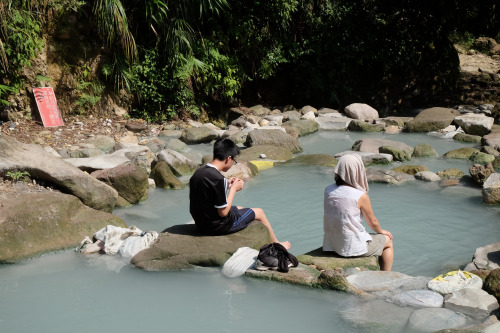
(435, 230)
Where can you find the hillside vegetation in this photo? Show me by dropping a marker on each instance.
(164, 59)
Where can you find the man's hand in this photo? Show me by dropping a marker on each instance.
(236, 183)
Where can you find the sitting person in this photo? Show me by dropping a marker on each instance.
(211, 196)
(346, 203)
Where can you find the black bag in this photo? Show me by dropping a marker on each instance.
(275, 255)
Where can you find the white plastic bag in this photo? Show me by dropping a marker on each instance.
(244, 258)
(453, 281)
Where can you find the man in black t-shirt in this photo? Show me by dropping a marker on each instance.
(211, 196)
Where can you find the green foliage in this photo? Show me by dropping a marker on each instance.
(4, 92)
(18, 175)
(89, 89)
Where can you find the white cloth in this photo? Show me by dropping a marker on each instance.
(113, 237)
(351, 169)
(342, 222)
(135, 244)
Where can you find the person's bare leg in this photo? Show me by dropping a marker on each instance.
(386, 259)
(261, 216)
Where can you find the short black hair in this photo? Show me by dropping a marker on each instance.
(224, 148)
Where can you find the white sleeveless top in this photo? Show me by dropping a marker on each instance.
(342, 222)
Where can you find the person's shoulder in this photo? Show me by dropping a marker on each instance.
(331, 187)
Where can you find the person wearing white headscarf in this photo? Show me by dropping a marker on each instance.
(346, 203)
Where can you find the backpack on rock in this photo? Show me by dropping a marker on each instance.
(274, 256)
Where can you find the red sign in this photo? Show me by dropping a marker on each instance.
(47, 106)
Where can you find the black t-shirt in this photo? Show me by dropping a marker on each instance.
(207, 193)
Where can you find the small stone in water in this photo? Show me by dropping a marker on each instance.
(262, 155)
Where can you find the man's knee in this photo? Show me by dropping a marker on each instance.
(388, 242)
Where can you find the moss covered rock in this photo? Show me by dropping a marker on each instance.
(398, 154)
(432, 119)
(462, 137)
(492, 283)
(183, 246)
(304, 126)
(424, 150)
(271, 152)
(36, 223)
(411, 169)
(164, 177)
(312, 159)
(462, 153)
(362, 126)
(330, 260)
(452, 173)
(482, 158)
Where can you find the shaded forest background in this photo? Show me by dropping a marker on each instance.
(161, 60)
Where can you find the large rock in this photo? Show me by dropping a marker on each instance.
(386, 282)
(333, 122)
(35, 223)
(427, 176)
(198, 135)
(118, 157)
(130, 181)
(432, 119)
(475, 124)
(243, 170)
(376, 316)
(461, 153)
(492, 140)
(492, 282)
(435, 319)
(273, 138)
(301, 275)
(372, 145)
(469, 138)
(487, 257)
(424, 150)
(411, 169)
(397, 154)
(182, 246)
(368, 157)
(491, 189)
(362, 126)
(42, 165)
(475, 303)
(479, 173)
(272, 153)
(180, 164)
(376, 175)
(102, 142)
(331, 260)
(164, 177)
(305, 126)
(313, 159)
(361, 111)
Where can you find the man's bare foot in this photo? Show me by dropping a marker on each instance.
(286, 245)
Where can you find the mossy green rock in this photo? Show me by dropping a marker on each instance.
(482, 158)
(312, 159)
(357, 125)
(496, 163)
(398, 154)
(462, 137)
(183, 246)
(411, 169)
(492, 283)
(432, 119)
(304, 126)
(462, 153)
(164, 177)
(451, 173)
(301, 275)
(424, 150)
(272, 153)
(32, 224)
(330, 260)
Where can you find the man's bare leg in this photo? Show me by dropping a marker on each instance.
(261, 216)
(386, 259)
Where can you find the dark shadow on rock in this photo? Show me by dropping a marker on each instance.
(184, 229)
(494, 257)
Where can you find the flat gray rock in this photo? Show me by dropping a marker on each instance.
(472, 302)
(375, 281)
(368, 157)
(475, 124)
(377, 175)
(435, 319)
(491, 189)
(372, 145)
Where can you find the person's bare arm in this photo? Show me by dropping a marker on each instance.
(365, 206)
(235, 185)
